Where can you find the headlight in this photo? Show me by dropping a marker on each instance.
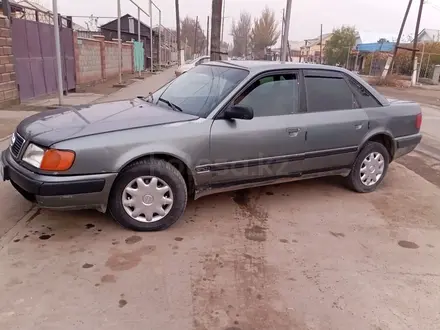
(33, 155)
(48, 159)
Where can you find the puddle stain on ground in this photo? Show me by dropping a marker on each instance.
(255, 233)
(241, 197)
(179, 239)
(45, 236)
(337, 234)
(120, 261)
(408, 245)
(122, 303)
(90, 225)
(283, 240)
(133, 239)
(87, 265)
(108, 278)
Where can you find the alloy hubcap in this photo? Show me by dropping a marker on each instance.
(372, 168)
(147, 199)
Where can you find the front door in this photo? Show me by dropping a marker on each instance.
(336, 124)
(271, 144)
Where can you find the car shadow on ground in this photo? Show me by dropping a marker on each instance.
(50, 225)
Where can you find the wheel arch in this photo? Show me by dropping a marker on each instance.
(385, 138)
(174, 160)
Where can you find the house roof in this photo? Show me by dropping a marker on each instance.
(376, 47)
(295, 45)
(32, 5)
(14, 5)
(316, 41)
(110, 25)
(432, 34)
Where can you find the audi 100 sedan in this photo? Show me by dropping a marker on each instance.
(221, 126)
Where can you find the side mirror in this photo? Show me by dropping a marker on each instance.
(239, 112)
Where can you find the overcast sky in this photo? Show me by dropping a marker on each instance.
(372, 18)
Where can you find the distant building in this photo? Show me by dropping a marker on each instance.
(311, 49)
(429, 35)
(129, 32)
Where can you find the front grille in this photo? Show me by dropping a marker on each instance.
(17, 145)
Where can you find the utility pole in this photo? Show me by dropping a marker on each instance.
(421, 62)
(216, 22)
(282, 34)
(320, 47)
(178, 31)
(151, 35)
(160, 40)
(416, 34)
(402, 26)
(139, 36)
(207, 36)
(286, 30)
(195, 35)
(348, 56)
(58, 50)
(223, 20)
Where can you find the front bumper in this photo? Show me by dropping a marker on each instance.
(406, 144)
(59, 192)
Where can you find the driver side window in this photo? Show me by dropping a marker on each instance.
(273, 95)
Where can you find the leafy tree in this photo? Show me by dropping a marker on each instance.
(382, 40)
(240, 32)
(264, 33)
(337, 47)
(187, 34)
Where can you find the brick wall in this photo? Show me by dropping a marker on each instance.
(111, 58)
(127, 57)
(8, 84)
(97, 59)
(89, 61)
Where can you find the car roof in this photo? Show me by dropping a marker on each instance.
(256, 66)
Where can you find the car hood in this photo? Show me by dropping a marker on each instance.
(53, 126)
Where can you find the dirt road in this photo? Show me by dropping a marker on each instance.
(306, 255)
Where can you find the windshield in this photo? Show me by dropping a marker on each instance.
(194, 60)
(201, 89)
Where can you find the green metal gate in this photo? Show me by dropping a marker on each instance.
(139, 57)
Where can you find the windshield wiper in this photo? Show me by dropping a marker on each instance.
(171, 105)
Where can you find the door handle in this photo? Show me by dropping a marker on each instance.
(358, 126)
(293, 132)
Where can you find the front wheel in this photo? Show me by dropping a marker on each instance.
(369, 168)
(148, 195)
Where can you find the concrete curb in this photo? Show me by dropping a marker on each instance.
(5, 138)
(18, 227)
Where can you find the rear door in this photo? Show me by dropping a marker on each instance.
(336, 124)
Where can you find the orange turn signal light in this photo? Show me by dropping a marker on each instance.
(57, 160)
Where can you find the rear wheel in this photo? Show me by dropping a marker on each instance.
(148, 195)
(369, 168)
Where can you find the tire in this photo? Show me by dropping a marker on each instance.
(164, 172)
(354, 181)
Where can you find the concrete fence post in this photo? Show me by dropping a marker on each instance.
(77, 63)
(102, 54)
(8, 83)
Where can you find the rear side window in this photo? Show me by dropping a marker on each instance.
(328, 93)
(366, 100)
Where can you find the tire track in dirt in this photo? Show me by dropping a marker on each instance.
(232, 286)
